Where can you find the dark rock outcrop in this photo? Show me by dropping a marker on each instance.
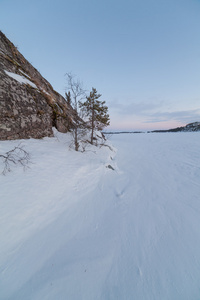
(29, 106)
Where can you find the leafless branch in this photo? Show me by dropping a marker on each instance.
(77, 93)
(16, 156)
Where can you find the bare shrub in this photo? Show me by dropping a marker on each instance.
(16, 156)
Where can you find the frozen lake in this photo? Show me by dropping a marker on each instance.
(71, 228)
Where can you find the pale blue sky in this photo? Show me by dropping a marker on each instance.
(143, 56)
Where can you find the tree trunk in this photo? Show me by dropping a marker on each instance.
(76, 139)
(92, 133)
(76, 126)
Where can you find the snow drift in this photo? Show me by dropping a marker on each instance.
(72, 228)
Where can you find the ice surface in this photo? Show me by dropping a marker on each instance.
(71, 228)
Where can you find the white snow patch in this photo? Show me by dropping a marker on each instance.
(20, 79)
(23, 73)
(70, 228)
(43, 90)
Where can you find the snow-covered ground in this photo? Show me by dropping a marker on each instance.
(71, 228)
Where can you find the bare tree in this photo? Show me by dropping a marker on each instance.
(74, 96)
(16, 156)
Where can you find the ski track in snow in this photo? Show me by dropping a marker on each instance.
(71, 228)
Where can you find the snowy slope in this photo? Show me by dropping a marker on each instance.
(71, 228)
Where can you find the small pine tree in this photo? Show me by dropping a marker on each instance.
(68, 98)
(96, 111)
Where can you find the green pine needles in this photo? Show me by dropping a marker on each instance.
(96, 112)
(89, 112)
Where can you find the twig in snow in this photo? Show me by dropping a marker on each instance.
(16, 156)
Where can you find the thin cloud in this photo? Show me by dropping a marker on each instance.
(141, 108)
(181, 116)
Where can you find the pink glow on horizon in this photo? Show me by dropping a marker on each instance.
(145, 126)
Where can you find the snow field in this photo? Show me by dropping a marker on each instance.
(71, 228)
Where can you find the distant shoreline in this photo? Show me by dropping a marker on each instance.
(191, 127)
(119, 132)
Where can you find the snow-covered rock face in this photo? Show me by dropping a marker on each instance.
(29, 106)
(193, 126)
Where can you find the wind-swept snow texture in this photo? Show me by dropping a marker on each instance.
(72, 228)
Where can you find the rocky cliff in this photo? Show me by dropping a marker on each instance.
(29, 106)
